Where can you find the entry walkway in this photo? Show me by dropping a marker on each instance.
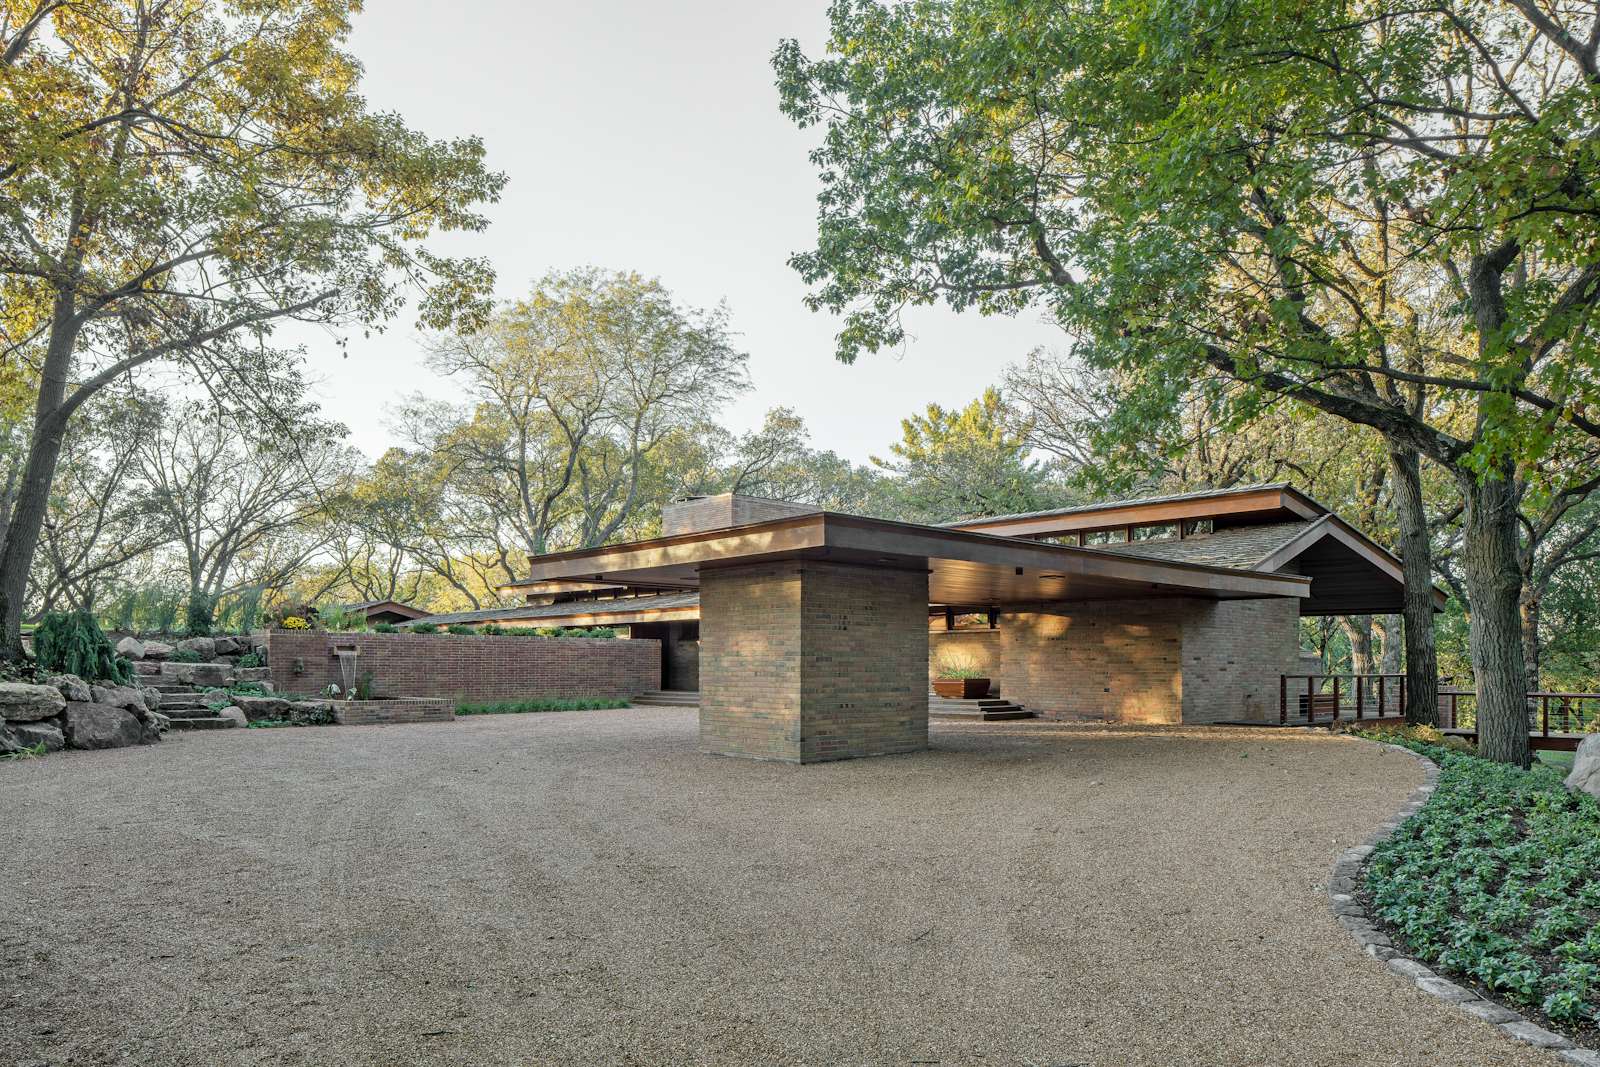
(585, 887)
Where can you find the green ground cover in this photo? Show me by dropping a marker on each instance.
(1497, 880)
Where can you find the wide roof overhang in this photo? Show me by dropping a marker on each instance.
(965, 569)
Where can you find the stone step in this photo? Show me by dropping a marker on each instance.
(199, 711)
(989, 709)
(672, 698)
(206, 722)
(186, 702)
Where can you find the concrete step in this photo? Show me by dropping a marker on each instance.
(207, 722)
(672, 698)
(989, 709)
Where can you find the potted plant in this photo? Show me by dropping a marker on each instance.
(958, 677)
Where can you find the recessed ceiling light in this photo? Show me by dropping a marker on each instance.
(1057, 577)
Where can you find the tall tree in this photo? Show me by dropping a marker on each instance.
(178, 174)
(575, 392)
(1382, 210)
(962, 463)
(242, 502)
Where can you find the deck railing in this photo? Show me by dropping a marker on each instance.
(1548, 713)
(1329, 697)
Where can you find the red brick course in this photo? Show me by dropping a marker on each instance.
(457, 667)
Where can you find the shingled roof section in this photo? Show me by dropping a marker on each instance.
(618, 605)
(1237, 546)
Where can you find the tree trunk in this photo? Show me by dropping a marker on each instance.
(1494, 585)
(1390, 659)
(1416, 560)
(1530, 607)
(38, 475)
(1358, 631)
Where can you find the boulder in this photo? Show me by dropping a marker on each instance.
(152, 697)
(131, 647)
(1585, 776)
(152, 726)
(125, 697)
(202, 646)
(257, 708)
(21, 702)
(252, 674)
(70, 686)
(34, 734)
(225, 646)
(100, 726)
(146, 667)
(197, 673)
(157, 650)
(235, 716)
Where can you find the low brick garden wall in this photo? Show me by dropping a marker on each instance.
(378, 712)
(456, 667)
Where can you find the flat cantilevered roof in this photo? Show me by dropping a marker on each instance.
(965, 568)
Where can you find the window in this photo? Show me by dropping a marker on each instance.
(1197, 527)
(1061, 539)
(1159, 532)
(1106, 537)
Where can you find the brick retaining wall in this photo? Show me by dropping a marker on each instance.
(458, 667)
(378, 712)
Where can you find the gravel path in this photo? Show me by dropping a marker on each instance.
(586, 888)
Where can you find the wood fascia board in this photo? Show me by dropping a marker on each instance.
(619, 617)
(1252, 502)
(817, 533)
(845, 532)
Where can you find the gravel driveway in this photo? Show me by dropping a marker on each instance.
(586, 888)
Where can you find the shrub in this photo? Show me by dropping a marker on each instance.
(459, 628)
(491, 629)
(547, 631)
(186, 655)
(385, 628)
(364, 686)
(72, 642)
(520, 707)
(248, 660)
(424, 628)
(295, 622)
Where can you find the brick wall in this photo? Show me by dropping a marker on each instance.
(468, 668)
(1234, 653)
(981, 647)
(380, 712)
(1116, 660)
(813, 661)
(750, 661)
(1180, 660)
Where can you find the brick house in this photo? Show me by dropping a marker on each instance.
(812, 635)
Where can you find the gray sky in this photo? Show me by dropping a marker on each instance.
(646, 136)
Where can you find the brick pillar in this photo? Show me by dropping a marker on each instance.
(807, 662)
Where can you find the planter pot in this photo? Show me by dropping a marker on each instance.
(962, 688)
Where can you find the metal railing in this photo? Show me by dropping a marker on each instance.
(1313, 698)
(1548, 713)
